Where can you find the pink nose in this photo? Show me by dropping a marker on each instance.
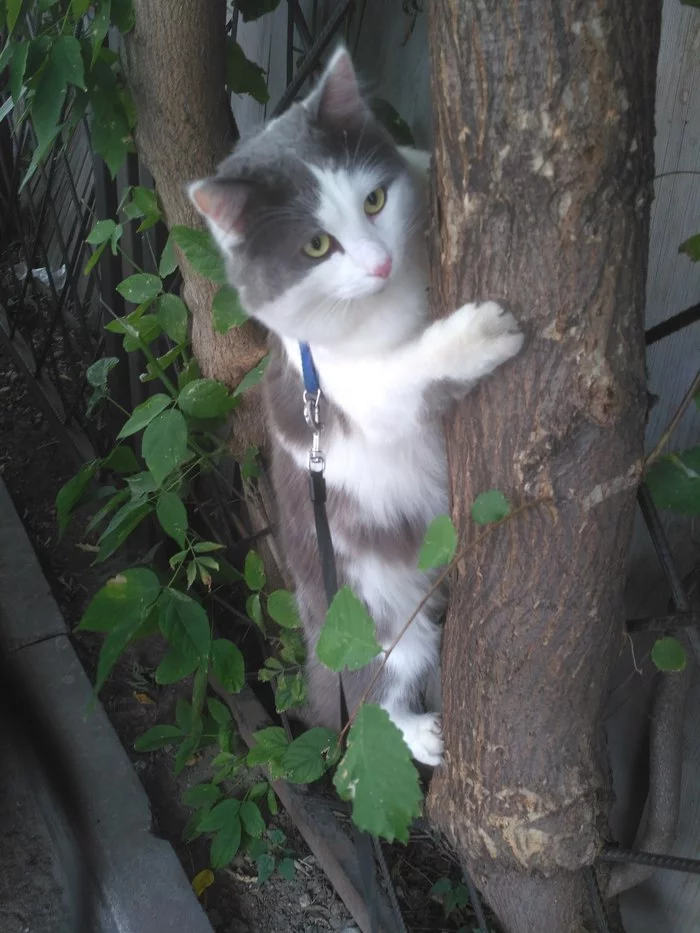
(383, 270)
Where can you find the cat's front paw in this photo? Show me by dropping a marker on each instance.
(423, 735)
(476, 339)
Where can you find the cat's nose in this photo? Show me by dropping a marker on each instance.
(383, 270)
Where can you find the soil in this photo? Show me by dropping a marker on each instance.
(34, 463)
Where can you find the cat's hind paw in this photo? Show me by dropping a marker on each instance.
(423, 735)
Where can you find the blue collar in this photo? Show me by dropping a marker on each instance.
(308, 369)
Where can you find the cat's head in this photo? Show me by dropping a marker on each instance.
(314, 213)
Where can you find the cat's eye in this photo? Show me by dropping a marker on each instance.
(375, 201)
(318, 246)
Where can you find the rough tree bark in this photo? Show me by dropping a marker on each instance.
(544, 166)
(175, 66)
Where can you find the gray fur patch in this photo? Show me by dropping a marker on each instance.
(281, 212)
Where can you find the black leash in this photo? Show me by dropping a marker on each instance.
(317, 491)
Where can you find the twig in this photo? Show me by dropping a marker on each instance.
(431, 592)
(673, 423)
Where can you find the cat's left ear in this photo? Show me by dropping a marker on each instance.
(337, 100)
(222, 203)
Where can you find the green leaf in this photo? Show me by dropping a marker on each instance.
(253, 608)
(201, 252)
(226, 844)
(140, 287)
(244, 76)
(94, 258)
(147, 329)
(122, 525)
(101, 232)
(205, 398)
(144, 413)
(282, 607)
(184, 624)
(377, 775)
(122, 460)
(113, 647)
(79, 8)
(310, 756)
(20, 53)
(691, 248)
(222, 814)
(668, 654)
(287, 868)
(99, 26)
(130, 593)
(250, 468)
(71, 492)
(254, 9)
(252, 820)
(202, 796)
(349, 636)
(272, 802)
(252, 378)
(226, 310)
(674, 481)
(227, 665)
(157, 737)
(14, 8)
(172, 516)
(175, 666)
(46, 106)
(164, 444)
(489, 507)
(266, 865)
(168, 259)
(290, 692)
(97, 374)
(254, 571)
(67, 61)
(172, 317)
(218, 711)
(189, 373)
(123, 15)
(439, 544)
(270, 746)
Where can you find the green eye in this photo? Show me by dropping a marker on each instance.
(375, 201)
(318, 246)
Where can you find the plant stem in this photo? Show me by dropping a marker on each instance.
(673, 423)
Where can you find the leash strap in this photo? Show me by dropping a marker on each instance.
(329, 572)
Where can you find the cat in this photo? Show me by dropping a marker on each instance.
(321, 222)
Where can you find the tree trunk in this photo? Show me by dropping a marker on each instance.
(175, 65)
(544, 167)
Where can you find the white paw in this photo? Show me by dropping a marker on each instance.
(423, 735)
(476, 339)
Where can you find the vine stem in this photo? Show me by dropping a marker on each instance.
(439, 580)
(673, 423)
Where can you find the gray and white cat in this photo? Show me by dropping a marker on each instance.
(321, 220)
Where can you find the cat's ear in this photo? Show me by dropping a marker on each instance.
(337, 100)
(222, 203)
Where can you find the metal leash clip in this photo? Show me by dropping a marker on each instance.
(312, 416)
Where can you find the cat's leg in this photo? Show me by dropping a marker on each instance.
(392, 393)
(410, 670)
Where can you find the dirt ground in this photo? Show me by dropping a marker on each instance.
(34, 465)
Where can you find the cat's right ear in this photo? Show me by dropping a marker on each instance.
(222, 203)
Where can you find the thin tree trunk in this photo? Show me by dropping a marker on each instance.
(175, 65)
(544, 168)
